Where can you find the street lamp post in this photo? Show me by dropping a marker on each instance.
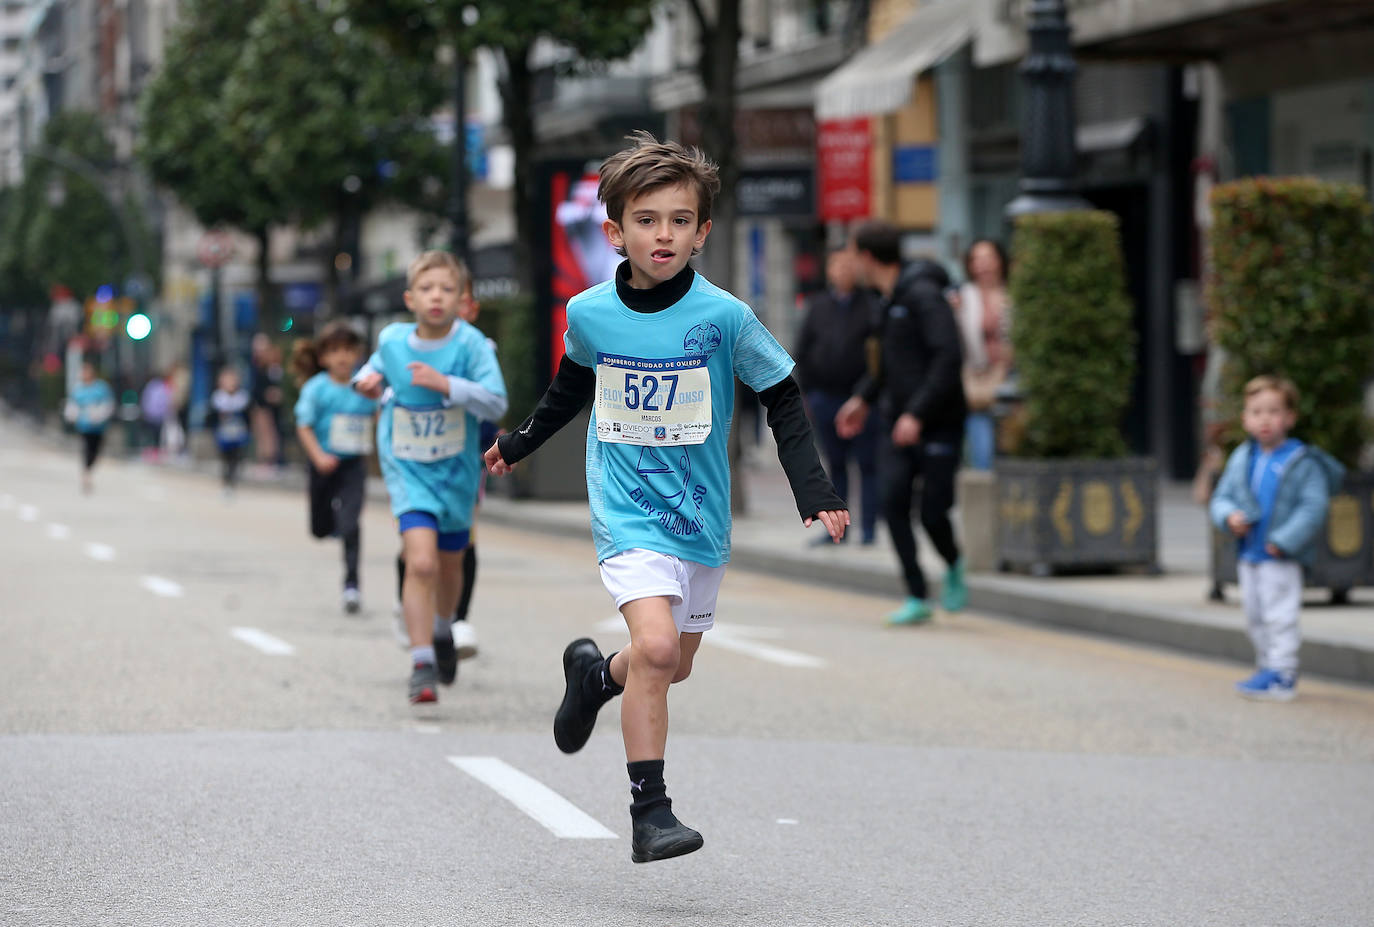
(1048, 145)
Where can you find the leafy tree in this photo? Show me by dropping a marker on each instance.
(335, 123)
(59, 226)
(596, 30)
(188, 144)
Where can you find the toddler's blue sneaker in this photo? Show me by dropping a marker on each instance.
(1269, 686)
(913, 611)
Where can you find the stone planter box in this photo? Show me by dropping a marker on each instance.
(1077, 514)
(1345, 547)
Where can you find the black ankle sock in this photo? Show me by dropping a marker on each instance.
(599, 684)
(469, 580)
(650, 796)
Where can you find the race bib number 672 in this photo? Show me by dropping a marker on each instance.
(649, 401)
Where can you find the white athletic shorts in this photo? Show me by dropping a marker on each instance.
(691, 587)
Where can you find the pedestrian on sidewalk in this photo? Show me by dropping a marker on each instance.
(1273, 496)
(919, 392)
(832, 357)
(228, 422)
(267, 378)
(659, 349)
(89, 409)
(441, 381)
(464, 636)
(156, 404)
(983, 308)
(335, 425)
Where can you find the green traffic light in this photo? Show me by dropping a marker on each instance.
(139, 326)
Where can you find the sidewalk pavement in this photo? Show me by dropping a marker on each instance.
(1170, 609)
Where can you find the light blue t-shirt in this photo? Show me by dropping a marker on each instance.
(658, 470)
(340, 416)
(94, 405)
(427, 444)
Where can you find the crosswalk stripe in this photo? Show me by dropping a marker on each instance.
(560, 816)
(273, 646)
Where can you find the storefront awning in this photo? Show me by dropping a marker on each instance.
(879, 78)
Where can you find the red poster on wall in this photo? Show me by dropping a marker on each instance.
(844, 149)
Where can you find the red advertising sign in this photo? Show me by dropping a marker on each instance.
(844, 150)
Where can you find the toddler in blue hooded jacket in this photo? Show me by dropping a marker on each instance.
(1273, 496)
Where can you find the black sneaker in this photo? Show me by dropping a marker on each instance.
(445, 658)
(651, 842)
(576, 717)
(424, 684)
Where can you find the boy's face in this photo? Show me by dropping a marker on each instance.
(87, 373)
(434, 298)
(229, 380)
(658, 231)
(1267, 418)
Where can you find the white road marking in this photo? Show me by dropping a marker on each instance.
(102, 552)
(28, 513)
(560, 816)
(59, 532)
(273, 646)
(740, 639)
(787, 820)
(418, 728)
(163, 587)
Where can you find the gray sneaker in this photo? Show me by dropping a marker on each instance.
(424, 684)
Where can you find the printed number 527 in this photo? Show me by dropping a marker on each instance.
(651, 386)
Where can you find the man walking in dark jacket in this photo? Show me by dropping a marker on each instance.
(831, 360)
(920, 395)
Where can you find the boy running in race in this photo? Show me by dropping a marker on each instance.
(659, 348)
(89, 410)
(228, 420)
(443, 381)
(335, 426)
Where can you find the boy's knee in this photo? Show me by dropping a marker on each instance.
(659, 653)
(424, 567)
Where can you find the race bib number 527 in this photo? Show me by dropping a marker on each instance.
(648, 401)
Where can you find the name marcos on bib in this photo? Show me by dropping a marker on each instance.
(652, 401)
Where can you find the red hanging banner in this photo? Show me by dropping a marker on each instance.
(844, 149)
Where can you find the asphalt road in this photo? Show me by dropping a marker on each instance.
(191, 732)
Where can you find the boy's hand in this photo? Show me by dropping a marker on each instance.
(496, 464)
(369, 385)
(1273, 551)
(835, 522)
(1237, 523)
(422, 374)
(849, 421)
(326, 463)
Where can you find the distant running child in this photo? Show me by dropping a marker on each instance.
(228, 421)
(658, 348)
(443, 381)
(89, 410)
(335, 425)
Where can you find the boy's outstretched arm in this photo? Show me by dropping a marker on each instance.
(569, 392)
(815, 495)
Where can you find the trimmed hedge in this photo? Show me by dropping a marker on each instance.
(1291, 292)
(1073, 333)
(510, 321)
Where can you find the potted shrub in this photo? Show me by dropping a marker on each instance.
(1291, 292)
(1072, 497)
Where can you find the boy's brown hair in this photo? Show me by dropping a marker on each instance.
(432, 259)
(649, 165)
(1281, 385)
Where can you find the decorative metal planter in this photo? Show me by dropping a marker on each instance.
(1345, 547)
(1077, 514)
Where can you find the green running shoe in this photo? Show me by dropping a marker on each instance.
(913, 611)
(954, 593)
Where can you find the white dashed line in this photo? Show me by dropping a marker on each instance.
(787, 820)
(59, 532)
(272, 646)
(163, 587)
(561, 817)
(28, 513)
(102, 552)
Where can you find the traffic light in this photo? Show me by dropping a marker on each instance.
(139, 326)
